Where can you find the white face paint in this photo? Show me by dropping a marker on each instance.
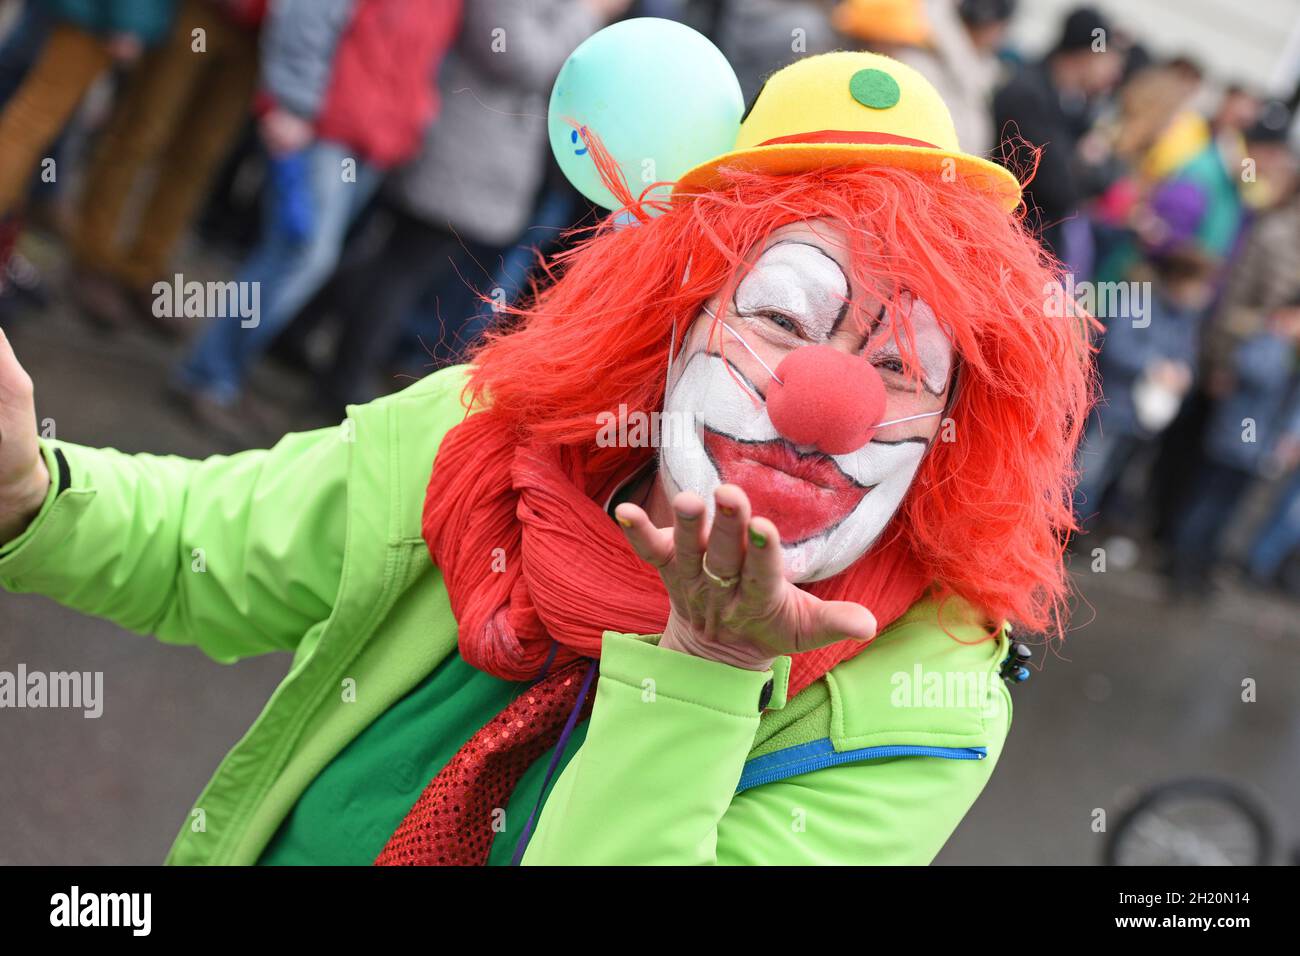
(829, 509)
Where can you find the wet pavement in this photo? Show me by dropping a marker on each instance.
(1142, 691)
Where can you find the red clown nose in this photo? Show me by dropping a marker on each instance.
(826, 398)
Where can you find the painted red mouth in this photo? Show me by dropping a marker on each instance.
(802, 494)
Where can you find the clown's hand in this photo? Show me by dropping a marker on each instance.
(24, 479)
(747, 623)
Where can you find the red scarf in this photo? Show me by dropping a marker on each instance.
(529, 556)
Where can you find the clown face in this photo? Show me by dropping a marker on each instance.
(828, 502)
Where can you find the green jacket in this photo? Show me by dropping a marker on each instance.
(314, 547)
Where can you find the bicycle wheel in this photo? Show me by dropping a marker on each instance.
(1192, 823)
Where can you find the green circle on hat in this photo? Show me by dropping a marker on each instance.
(874, 88)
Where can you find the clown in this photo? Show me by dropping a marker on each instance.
(622, 654)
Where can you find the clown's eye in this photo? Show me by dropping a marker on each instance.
(781, 321)
(889, 363)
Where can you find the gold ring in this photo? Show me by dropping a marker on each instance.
(720, 582)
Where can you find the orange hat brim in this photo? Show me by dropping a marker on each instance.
(783, 158)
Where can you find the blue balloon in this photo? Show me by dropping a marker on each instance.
(661, 98)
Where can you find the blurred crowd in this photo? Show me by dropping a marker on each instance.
(379, 171)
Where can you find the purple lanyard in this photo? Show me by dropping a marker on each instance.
(560, 745)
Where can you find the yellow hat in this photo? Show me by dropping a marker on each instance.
(850, 109)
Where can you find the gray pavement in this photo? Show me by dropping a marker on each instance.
(1140, 693)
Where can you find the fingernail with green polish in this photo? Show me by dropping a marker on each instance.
(757, 538)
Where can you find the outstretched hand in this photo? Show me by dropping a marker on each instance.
(24, 479)
(731, 601)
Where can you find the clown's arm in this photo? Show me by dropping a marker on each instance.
(192, 552)
(655, 779)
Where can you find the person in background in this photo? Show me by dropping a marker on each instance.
(1155, 128)
(347, 91)
(1245, 429)
(1150, 134)
(456, 196)
(78, 40)
(22, 37)
(23, 43)
(1262, 276)
(181, 110)
(761, 36)
(1237, 112)
(1265, 276)
(1180, 146)
(1146, 364)
(1279, 536)
(429, 340)
(1267, 280)
(557, 209)
(83, 40)
(20, 49)
(1049, 105)
(1267, 174)
(952, 44)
